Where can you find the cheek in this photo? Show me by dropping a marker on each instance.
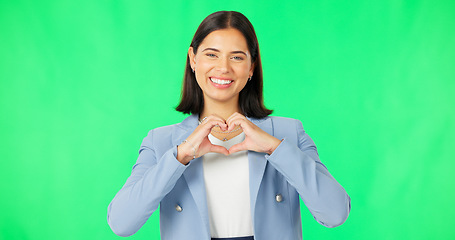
(204, 66)
(201, 71)
(243, 70)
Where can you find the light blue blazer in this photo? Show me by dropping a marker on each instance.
(276, 182)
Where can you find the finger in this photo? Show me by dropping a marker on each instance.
(219, 149)
(221, 122)
(238, 147)
(223, 127)
(233, 116)
(202, 131)
(231, 121)
(237, 121)
(212, 117)
(215, 122)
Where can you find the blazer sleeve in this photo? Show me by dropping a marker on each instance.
(326, 199)
(151, 179)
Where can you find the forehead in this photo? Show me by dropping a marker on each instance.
(229, 39)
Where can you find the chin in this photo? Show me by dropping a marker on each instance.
(221, 97)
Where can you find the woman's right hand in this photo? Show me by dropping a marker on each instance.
(198, 143)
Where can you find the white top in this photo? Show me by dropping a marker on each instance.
(228, 190)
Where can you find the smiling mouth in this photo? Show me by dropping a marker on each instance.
(220, 81)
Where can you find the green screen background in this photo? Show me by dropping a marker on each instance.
(82, 82)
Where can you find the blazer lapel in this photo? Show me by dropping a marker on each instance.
(194, 173)
(195, 179)
(257, 164)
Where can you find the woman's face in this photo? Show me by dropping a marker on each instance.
(222, 65)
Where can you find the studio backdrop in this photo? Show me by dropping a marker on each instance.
(82, 82)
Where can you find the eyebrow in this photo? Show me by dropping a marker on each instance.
(216, 50)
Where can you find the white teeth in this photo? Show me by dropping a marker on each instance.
(220, 81)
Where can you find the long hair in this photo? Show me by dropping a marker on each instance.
(251, 101)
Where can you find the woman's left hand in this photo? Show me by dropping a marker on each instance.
(255, 138)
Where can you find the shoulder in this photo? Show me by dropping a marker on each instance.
(281, 127)
(164, 130)
(280, 121)
(187, 123)
(292, 129)
(165, 134)
(284, 120)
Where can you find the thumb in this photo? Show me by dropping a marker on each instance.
(219, 149)
(238, 147)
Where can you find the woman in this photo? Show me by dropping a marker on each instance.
(228, 171)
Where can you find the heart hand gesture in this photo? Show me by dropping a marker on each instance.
(255, 138)
(198, 143)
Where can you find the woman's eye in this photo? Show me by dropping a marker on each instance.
(210, 55)
(237, 58)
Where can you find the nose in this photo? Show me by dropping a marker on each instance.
(223, 65)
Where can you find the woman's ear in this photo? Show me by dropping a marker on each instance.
(252, 69)
(192, 57)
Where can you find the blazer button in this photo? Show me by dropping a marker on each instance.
(178, 208)
(279, 198)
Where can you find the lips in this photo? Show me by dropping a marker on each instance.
(220, 81)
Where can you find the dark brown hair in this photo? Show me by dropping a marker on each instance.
(250, 98)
